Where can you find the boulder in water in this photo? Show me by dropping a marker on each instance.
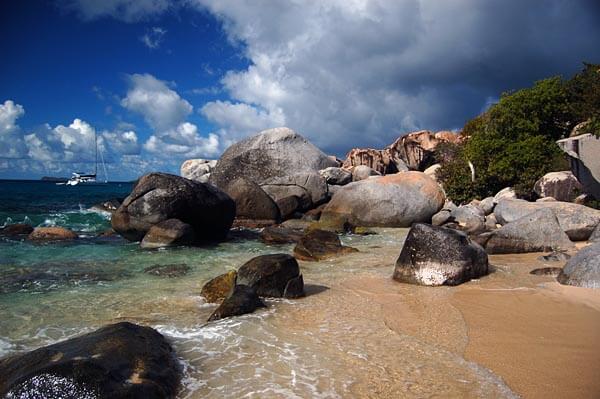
(241, 300)
(120, 360)
(280, 235)
(319, 244)
(434, 255)
(219, 287)
(275, 275)
(16, 230)
(176, 270)
(51, 234)
(160, 196)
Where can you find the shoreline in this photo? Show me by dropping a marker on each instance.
(541, 338)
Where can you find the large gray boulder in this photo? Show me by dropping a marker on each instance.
(595, 234)
(252, 203)
(197, 169)
(583, 269)
(396, 200)
(578, 221)
(273, 157)
(160, 196)
(434, 255)
(310, 188)
(118, 361)
(362, 172)
(470, 218)
(562, 186)
(536, 232)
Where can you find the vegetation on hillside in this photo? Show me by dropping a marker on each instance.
(514, 142)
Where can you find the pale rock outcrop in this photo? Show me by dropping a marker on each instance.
(396, 200)
(562, 186)
(197, 169)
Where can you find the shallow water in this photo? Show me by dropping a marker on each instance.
(329, 344)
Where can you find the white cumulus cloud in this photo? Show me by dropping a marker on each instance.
(153, 37)
(11, 142)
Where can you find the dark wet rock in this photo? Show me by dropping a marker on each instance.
(555, 256)
(336, 176)
(583, 269)
(169, 233)
(177, 270)
(280, 235)
(314, 214)
(252, 203)
(275, 275)
(120, 360)
(318, 244)
(288, 206)
(51, 234)
(161, 196)
(434, 255)
(279, 158)
(546, 271)
(577, 221)
(396, 200)
(562, 186)
(241, 300)
(218, 288)
(108, 233)
(536, 232)
(16, 230)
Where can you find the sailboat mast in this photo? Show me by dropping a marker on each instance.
(95, 153)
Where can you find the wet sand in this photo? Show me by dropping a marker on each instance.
(541, 338)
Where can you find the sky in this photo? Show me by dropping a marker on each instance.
(156, 82)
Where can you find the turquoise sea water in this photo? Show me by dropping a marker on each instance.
(323, 345)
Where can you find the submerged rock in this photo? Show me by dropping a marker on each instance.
(583, 269)
(169, 233)
(396, 200)
(275, 275)
(241, 300)
(555, 256)
(16, 230)
(51, 234)
(218, 288)
(318, 245)
(120, 360)
(546, 271)
(434, 255)
(161, 196)
(577, 221)
(536, 232)
(280, 235)
(168, 270)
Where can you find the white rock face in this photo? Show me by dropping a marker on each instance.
(198, 169)
(505, 193)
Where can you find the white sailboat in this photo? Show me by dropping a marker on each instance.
(82, 178)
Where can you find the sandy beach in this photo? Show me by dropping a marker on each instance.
(541, 338)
